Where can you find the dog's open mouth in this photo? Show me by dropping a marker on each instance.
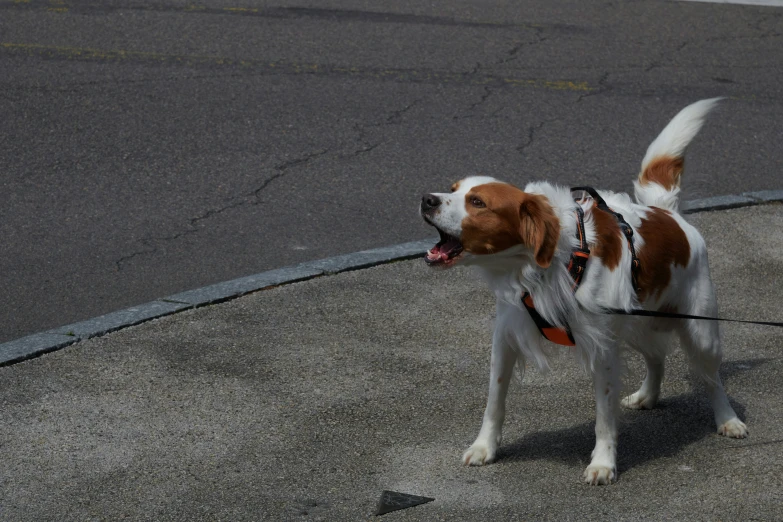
(445, 251)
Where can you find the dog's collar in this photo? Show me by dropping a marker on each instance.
(576, 268)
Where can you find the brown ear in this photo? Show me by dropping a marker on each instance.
(539, 228)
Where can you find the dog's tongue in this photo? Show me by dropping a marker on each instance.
(442, 251)
(450, 247)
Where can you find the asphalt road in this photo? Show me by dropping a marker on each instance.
(152, 147)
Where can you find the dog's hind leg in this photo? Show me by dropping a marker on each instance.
(606, 380)
(701, 341)
(654, 348)
(646, 396)
(483, 450)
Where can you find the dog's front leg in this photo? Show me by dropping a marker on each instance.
(606, 379)
(484, 449)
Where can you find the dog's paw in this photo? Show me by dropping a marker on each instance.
(639, 401)
(479, 453)
(599, 475)
(733, 428)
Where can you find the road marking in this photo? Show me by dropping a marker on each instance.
(768, 3)
(400, 75)
(241, 9)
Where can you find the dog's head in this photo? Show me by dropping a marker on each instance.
(483, 218)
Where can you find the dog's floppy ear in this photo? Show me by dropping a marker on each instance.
(539, 228)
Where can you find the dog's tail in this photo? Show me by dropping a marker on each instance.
(659, 181)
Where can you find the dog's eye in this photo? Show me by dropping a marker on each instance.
(476, 202)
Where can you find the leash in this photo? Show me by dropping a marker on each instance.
(675, 315)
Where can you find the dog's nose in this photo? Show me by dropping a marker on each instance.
(429, 202)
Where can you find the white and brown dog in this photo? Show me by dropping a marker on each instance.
(522, 241)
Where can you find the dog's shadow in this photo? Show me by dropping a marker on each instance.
(674, 423)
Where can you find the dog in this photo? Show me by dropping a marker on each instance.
(522, 242)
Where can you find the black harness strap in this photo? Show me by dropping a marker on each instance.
(579, 257)
(624, 226)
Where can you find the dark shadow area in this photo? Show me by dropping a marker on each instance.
(676, 422)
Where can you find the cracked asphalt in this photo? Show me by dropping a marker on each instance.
(153, 147)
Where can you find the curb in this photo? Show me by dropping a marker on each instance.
(44, 342)
(745, 199)
(48, 341)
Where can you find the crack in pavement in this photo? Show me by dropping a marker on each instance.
(512, 54)
(666, 55)
(368, 147)
(254, 197)
(531, 135)
(283, 167)
(487, 94)
(151, 243)
(394, 118)
(771, 32)
(602, 88)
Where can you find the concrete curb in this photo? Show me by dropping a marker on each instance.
(731, 201)
(44, 342)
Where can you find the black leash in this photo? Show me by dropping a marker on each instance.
(674, 315)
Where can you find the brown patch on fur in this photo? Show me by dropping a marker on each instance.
(609, 240)
(455, 186)
(665, 244)
(665, 171)
(509, 217)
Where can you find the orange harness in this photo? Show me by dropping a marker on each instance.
(576, 267)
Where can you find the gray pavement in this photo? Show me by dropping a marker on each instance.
(150, 147)
(305, 401)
